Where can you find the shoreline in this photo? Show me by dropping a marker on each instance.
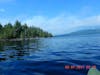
(22, 39)
(17, 39)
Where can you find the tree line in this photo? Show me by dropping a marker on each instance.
(10, 31)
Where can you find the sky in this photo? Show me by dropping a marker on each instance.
(55, 16)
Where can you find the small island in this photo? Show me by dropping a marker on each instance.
(18, 31)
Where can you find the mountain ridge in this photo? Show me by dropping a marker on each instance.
(83, 32)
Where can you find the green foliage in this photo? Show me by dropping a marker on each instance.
(18, 30)
(0, 26)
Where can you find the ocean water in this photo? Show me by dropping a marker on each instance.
(49, 56)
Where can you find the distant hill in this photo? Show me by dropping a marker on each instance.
(83, 32)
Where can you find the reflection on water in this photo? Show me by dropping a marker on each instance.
(15, 50)
(48, 56)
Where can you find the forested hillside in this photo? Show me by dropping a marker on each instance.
(10, 31)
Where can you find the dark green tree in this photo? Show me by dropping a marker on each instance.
(18, 30)
(7, 31)
(1, 27)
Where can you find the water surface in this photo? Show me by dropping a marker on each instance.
(48, 56)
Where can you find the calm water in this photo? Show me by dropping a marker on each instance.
(49, 56)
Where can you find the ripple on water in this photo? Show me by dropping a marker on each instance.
(49, 56)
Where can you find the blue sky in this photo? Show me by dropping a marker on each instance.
(55, 16)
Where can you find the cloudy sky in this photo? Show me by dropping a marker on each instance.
(55, 16)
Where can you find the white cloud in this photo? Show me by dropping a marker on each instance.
(2, 10)
(60, 24)
(63, 24)
(37, 20)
